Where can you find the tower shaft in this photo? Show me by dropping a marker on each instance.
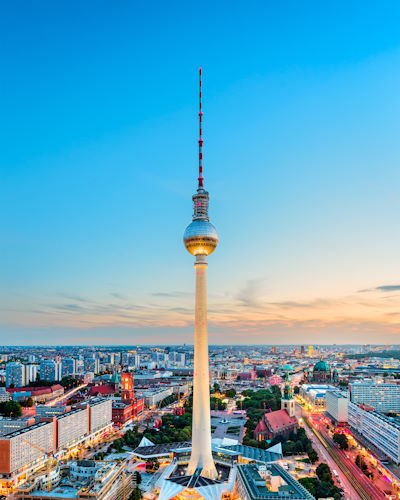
(201, 456)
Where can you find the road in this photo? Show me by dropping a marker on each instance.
(364, 488)
(66, 395)
(350, 492)
(349, 456)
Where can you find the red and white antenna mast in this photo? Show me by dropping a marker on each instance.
(200, 138)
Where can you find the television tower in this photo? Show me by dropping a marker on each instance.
(201, 239)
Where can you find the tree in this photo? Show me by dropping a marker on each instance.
(27, 403)
(136, 494)
(215, 387)
(341, 440)
(324, 473)
(312, 455)
(296, 389)
(10, 409)
(230, 393)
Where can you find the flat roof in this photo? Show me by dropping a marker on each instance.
(257, 488)
(24, 430)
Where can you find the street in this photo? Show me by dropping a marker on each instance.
(353, 481)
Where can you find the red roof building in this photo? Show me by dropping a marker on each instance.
(129, 406)
(102, 390)
(275, 423)
(123, 412)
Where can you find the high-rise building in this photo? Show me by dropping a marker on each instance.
(68, 367)
(383, 397)
(15, 374)
(177, 359)
(91, 365)
(201, 239)
(310, 350)
(50, 370)
(136, 360)
(382, 431)
(30, 373)
(337, 406)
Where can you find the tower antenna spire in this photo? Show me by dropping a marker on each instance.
(200, 137)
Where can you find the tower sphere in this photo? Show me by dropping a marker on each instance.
(200, 237)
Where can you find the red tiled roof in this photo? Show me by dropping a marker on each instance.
(279, 419)
(56, 387)
(101, 389)
(261, 427)
(36, 390)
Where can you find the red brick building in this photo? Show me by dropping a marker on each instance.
(275, 423)
(129, 406)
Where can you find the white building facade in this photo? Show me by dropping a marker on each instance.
(337, 406)
(382, 396)
(382, 431)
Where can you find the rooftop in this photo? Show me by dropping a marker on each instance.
(258, 488)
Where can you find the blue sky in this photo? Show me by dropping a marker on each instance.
(98, 165)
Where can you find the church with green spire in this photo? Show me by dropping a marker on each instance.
(287, 402)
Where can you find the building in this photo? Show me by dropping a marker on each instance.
(337, 405)
(129, 407)
(384, 397)
(10, 425)
(50, 370)
(275, 423)
(381, 431)
(91, 365)
(100, 414)
(4, 395)
(127, 387)
(23, 448)
(281, 422)
(159, 358)
(15, 374)
(38, 394)
(152, 397)
(68, 367)
(310, 351)
(321, 371)
(124, 412)
(72, 427)
(83, 479)
(268, 482)
(31, 372)
(287, 401)
(176, 359)
(316, 393)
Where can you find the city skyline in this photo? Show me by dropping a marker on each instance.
(301, 151)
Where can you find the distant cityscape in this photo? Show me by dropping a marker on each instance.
(82, 419)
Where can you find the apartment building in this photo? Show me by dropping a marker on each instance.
(337, 404)
(383, 397)
(382, 431)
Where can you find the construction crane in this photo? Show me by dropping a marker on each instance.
(49, 460)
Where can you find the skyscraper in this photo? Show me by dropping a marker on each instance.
(15, 374)
(201, 239)
(50, 370)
